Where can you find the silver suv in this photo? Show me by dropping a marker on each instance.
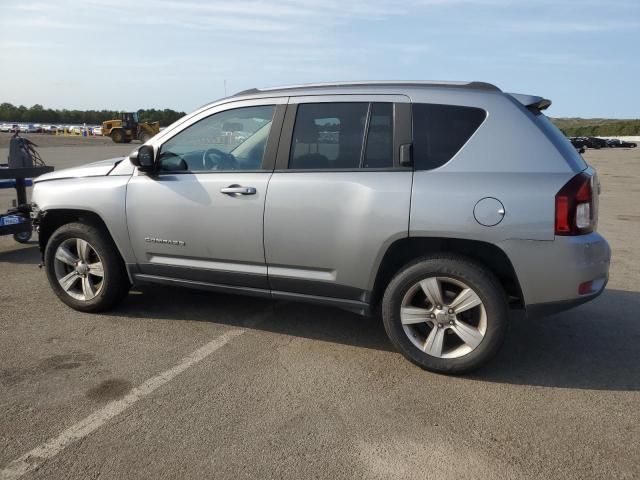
(440, 206)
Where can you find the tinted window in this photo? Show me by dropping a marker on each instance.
(230, 140)
(439, 131)
(379, 151)
(328, 135)
(560, 141)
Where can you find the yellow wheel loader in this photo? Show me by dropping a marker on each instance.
(128, 128)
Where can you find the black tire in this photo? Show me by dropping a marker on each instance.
(118, 136)
(116, 283)
(23, 237)
(144, 137)
(480, 279)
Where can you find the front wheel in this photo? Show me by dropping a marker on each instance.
(445, 314)
(84, 268)
(118, 136)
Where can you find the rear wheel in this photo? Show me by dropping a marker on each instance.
(84, 268)
(144, 137)
(118, 136)
(445, 314)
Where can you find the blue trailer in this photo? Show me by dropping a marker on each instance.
(17, 220)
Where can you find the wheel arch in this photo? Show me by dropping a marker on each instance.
(51, 220)
(404, 250)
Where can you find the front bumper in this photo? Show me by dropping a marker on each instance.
(551, 272)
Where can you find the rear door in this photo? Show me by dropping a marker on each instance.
(338, 196)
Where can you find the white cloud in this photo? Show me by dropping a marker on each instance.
(564, 27)
(26, 22)
(23, 45)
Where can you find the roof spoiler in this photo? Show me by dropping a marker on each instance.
(533, 103)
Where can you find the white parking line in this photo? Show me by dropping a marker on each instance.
(34, 458)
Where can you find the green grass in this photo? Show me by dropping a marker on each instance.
(586, 127)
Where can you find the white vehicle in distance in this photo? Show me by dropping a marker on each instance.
(49, 129)
(5, 127)
(97, 131)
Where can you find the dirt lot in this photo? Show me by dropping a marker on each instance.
(186, 384)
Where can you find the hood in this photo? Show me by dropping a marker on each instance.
(94, 169)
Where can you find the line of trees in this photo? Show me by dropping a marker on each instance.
(38, 114)
(571, 127)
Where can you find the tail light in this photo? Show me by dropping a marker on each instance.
(575, 206)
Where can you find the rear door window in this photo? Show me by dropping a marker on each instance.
(440, 131)
(337, 136)
(379, 151)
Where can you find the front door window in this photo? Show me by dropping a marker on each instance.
(226, 141)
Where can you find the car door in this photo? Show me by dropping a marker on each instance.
(199, 218)
(339, 195)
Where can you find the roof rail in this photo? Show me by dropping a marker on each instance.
(385, 83)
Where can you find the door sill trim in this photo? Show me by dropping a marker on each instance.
(361, 308)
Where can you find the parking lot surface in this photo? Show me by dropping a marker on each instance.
(187, 384)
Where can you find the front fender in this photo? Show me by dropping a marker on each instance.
(104, 197)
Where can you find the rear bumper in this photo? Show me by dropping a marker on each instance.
(537, 310)
(551, 272)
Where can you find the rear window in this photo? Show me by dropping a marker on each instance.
(561, 142)
(440, 131)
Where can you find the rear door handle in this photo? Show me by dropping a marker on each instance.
(238, 190)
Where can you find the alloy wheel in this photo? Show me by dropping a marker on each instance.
(79, 269)
(443, 317)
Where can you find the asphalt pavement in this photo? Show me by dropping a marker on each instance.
(188, 384)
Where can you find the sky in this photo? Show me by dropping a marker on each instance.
(131, 54)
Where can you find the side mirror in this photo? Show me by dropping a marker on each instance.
(143, 158)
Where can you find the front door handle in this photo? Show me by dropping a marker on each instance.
(238, 190)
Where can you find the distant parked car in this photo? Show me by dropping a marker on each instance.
(595, 142)
(615, 143)
(5, 127)
(96, 131)
(578, 143)
(23, 128)
(49, 129)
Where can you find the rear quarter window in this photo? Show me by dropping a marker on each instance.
(562, 143)
(440, 131)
